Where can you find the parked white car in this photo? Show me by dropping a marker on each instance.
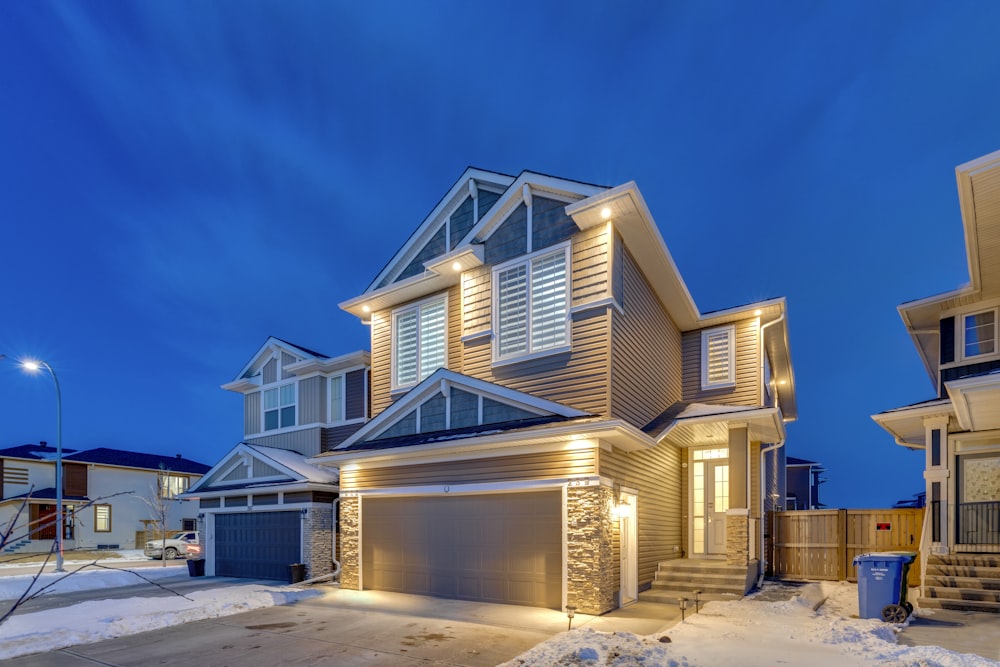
(175, 545)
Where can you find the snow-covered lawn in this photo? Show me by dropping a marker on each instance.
(748, 633)
(95, 620)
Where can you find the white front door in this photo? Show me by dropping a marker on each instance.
(627, 529)
(709, 500)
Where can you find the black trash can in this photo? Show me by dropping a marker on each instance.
(196, 567)
(296, 573)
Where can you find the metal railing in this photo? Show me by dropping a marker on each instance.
(979, 523)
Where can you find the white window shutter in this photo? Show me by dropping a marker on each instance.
(718, 357)
(432, 338)
(548, 302)
(512, 300)
(406, 348)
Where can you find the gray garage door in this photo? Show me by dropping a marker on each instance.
(258, 545)
(494, 548)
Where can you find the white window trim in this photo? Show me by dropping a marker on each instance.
(443, 298)
(498, 359)
(960, 323)
(263, 411)
(343, 398)
(730, 331)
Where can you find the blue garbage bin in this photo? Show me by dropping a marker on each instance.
(882, 585)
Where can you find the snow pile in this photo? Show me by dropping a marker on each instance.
(96, 620)
(11, 587)
(748, 633)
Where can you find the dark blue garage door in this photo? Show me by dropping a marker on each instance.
(257, 545)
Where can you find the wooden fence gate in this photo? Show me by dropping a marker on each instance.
(822, 544)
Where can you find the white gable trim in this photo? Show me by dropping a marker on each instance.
(444, 208)
(271, 345)
(241, 455)
(442, 380)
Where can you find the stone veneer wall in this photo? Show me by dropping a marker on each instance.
(590, 581)
(317, 541)
(350, 558)
(737, 538)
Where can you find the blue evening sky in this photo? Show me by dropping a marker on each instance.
(180, 180)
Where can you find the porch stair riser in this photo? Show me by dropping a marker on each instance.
(680, 578)
(962, 582)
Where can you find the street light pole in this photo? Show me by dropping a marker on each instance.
(34, 366)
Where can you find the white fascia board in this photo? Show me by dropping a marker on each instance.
(549, 437)
(466, 256)
(770, 309)
(967, 203)
(906, 425)
(343, 363)
(632, 219)
(545, 186)
(454, 197)
(922, 318)
(772, 416)
(251, 490)
(398, 293)
(269, 345)
(987, 389)
(445, 379)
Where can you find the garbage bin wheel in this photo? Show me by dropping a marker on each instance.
(909, 608)
(894, 613)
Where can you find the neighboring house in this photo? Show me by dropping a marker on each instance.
(955, 334)
(555, 422)
(106, 496)
(263, 506)
(802, 480)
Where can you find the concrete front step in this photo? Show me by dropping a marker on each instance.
(978, 571)
(959, 605)
(967, 560)
(940, 581)
(973, 594)
(666, 596)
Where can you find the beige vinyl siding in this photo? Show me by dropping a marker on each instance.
(657, 475)
(251, 413)
(747, 389)
(305, 441)
(312, 400)
(578, 378)
(646, 357)
(755, 480)
(543, 465)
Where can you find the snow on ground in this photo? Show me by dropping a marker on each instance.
(95, 620)
(11, 587)
(748, 633)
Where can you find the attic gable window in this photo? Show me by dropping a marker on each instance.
(979, 335)
(718, 358)
(279, 407)
(531, 305)
(418, 341)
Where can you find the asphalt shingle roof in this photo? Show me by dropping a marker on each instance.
(32, 452)
(120, 457)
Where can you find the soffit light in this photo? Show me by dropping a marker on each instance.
(605, 213)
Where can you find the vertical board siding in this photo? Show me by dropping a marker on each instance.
(305, 441)
(821, 544)
(312, 400)
(646, 354)
(251, 413)
(271, 371)
(747, 389)
(657, 475)
(354, 399)
(286, 360)
(543, 465)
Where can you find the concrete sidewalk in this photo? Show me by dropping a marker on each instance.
(960, 631)
(354, 628)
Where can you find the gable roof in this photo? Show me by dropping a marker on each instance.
(443, 381)
(795, 461)
(278, 468)
(266, 350)
(38, 452)
(127, 459)
(979, 200)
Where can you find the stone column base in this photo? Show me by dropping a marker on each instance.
(350, 558)
(737, 537)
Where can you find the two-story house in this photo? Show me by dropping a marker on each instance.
(264, 506)
(108, 496)
(955, 334)
(555, 422)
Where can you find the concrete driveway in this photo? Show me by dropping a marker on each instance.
(354, 628)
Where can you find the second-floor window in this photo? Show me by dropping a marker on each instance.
(979, 334)
(279, 407)
(172, 485)
(531, 305)
(337, 398)
(418, 341)
(718, 357)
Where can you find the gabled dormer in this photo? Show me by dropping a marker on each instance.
(298, 399)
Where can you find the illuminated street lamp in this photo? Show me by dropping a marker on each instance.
(34, 367)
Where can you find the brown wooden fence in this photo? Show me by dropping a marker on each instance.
(821, 544)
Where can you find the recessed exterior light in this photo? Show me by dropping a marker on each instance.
(366, 309)
(456, 266)
(605, 213)
(782, 382)
(758, 312)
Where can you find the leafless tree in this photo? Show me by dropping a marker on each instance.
(159, 503)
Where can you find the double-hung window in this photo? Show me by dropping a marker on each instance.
(418, 341)
(279, 407)
(979, 335)
(718, 358)
(531, 305)
(172, 486)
